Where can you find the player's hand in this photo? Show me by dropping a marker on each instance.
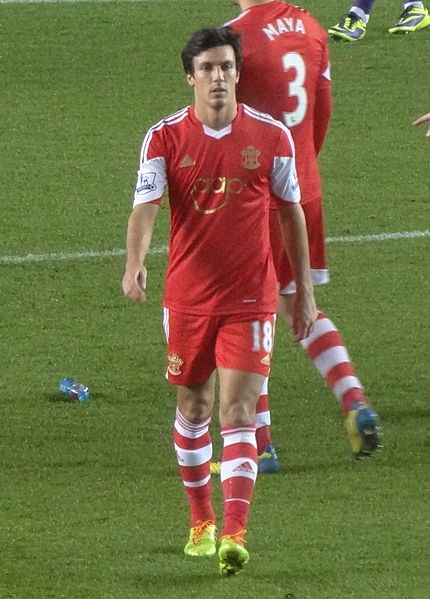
(423, 119)
(304, 315)
(134, 283)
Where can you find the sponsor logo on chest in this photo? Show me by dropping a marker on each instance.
(210, 194)
(220, 188)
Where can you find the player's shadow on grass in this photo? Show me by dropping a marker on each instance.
(165, 550)
(160, 584)
(206, 573)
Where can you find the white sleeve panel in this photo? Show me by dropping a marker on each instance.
(327, 72)
(283, 179)
(151, 181)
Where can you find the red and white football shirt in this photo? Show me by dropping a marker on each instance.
(286, 73)
(219, 182)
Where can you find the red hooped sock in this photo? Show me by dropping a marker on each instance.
(262, 419)
(326, 349)
(193, 447)
(238, 475)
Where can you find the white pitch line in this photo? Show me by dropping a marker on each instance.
(72, 255)
(380, 236)
(55, 256)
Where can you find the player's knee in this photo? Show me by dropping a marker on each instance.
(195, 413)
(237, 411)
(194, 408)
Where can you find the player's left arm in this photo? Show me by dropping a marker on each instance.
(293, 227)
(285, 187)
(323, 102)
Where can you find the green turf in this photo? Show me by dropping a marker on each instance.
(91, 506)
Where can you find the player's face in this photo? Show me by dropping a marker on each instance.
(215, 77)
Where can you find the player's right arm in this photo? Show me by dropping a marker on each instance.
(139, 235)
(151, 181)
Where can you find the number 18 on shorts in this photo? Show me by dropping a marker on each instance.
(198, 344)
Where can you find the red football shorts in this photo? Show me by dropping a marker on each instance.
(197, 345)
(315, 227)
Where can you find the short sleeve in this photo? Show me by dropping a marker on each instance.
(325, 72)
(151, 181)
(283, 177)
(152, 174)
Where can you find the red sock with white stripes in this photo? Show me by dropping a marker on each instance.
(193, 447)
(326, 349)
(262, 419)
(238, 474)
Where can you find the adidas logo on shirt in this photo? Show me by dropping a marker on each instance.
(187, 161)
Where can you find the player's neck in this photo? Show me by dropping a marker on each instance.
(216, 119)
(245, 4)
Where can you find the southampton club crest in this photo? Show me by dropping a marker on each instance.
(250, 155)
(174, 365)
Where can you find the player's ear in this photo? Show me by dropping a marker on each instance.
(190, 80)
(237, 76)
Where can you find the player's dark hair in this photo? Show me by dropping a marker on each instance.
(204, 39)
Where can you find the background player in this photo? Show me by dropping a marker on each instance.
(221, 161)
(286, 73)
(424, 119)
(352, 27)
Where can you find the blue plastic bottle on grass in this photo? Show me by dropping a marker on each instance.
(75, 390)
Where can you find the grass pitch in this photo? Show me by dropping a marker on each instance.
(91, 505)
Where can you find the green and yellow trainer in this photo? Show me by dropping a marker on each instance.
(202, 541)
(349, 29)
(363, 431)
(411, 19)
(232, 554)
(215, 467)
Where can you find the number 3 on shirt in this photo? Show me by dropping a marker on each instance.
(293, 60)
(262, 335)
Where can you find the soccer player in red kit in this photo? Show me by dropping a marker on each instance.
(286, 73)
(222, 161)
